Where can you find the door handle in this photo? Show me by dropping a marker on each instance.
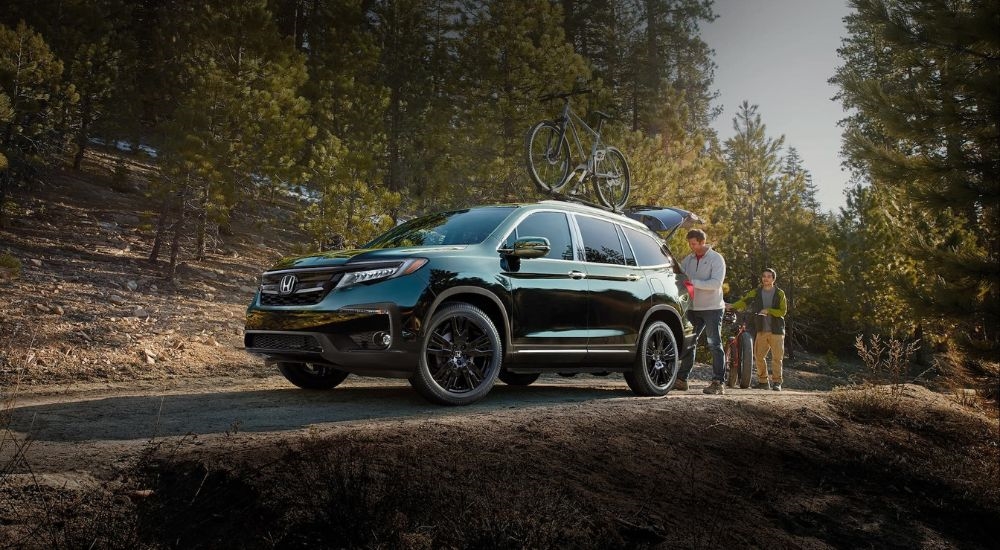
(633, 277)
(577, 274)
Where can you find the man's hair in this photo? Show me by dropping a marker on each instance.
(771, 270)
(697, 234)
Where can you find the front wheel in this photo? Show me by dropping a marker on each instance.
(312, 376)
(460, 356)
(612, 179)
(655, 368)
(548, 157)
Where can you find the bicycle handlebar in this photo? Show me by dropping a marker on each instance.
(564, 95)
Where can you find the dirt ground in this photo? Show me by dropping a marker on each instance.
(131, 418)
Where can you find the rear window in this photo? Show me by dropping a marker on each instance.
(648, 251)
(600, 241)
(458, 227)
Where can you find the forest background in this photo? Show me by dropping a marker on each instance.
(374, 111)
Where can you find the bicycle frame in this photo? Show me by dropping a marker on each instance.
(570, 120)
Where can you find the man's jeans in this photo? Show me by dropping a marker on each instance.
(709, 322)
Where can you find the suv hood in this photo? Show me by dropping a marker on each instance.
(664, 220)
(333, 258)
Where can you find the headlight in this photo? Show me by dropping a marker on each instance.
(382, 272)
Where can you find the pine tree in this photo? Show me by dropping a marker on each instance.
(511, 53)
(33, 96)
(922, 76)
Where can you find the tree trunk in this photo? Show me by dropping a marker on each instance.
(202, 224)
(161, 230)
(178, 230)
(82, 135)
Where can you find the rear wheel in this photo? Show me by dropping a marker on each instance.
(612, 180)
(746, 359)
(655, 368)
(518, 378)
(312, 376)
(460, 356)
(548, 157)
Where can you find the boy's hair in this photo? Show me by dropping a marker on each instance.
(697, 234)
(771, 270)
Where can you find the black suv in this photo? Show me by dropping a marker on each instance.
(453, 301)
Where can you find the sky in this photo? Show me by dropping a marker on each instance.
(779, 54)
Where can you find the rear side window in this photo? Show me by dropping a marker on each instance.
(553, 226)
(600, 241)
(647, 250)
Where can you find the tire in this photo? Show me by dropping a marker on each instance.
(312, 376)
(732, 363)
(460, 356)
(518, 378)
(657, 362)
(548, 157)
(746, 360)
(613, 185)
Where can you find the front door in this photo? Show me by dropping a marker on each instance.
(549, 318)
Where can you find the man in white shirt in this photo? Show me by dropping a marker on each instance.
(706, 269)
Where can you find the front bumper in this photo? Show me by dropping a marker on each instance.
(351, 338)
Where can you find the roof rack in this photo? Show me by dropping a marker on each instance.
(580, 200)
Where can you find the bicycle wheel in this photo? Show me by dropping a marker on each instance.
(612, 179)
(548, 157)
(746, 360)
(732, 363)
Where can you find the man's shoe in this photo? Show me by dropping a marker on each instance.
(765, 385)
(680, 385)
(715, 388)
(776, 387)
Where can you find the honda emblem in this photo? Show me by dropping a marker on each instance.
(287, 285)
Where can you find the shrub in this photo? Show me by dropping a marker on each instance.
(10, 266)
(879, 394)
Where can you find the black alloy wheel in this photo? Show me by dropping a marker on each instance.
(460, 357)
(656, 365)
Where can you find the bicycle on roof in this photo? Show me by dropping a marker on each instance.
(550, 158)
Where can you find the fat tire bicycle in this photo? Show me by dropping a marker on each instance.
(549, 157)
(739, 351)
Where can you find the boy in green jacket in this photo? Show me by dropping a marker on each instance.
(769, 302)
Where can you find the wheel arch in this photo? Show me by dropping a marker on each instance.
(481, 298)
(672, 318)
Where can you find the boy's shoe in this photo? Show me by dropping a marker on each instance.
(776, 387)
(715, 388)
(765, 385)
(680, 385)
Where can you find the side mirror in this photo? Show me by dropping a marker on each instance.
(528, 247)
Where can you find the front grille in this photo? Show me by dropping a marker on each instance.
(309, 289)
(285, 342)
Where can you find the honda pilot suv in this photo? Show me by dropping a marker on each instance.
(455, 300)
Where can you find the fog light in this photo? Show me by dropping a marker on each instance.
(382, 339)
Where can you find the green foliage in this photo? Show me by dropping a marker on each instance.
(30, 81)
(775, 222)
(921, 77)
(10, 262)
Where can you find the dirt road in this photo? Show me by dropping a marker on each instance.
(87, 430)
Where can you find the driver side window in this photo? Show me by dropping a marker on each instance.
(553, 226)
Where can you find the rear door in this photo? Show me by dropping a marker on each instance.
(619, 292)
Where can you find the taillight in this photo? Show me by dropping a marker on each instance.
(690, 288)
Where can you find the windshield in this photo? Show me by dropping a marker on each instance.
(458, 227)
